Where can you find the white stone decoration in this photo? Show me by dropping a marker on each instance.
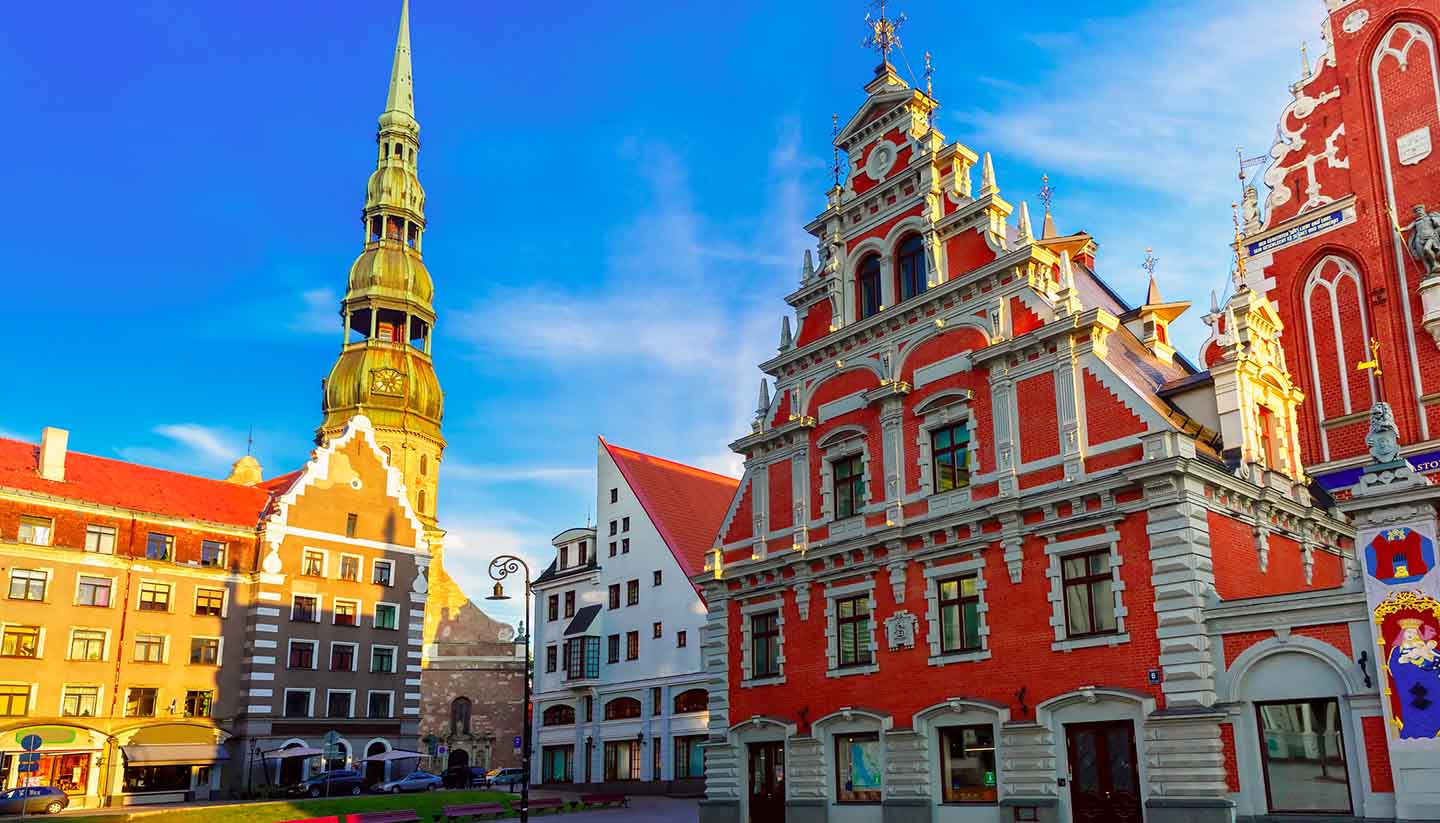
(900, 630)
(881, 160)
(1412, 147)
(506, 634)
(1355, 20)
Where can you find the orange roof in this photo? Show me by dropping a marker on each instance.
(686, 504)
(131, 486)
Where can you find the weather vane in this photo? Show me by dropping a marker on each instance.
(1151, 261)
(1373, 364)
(1239, 276)
(1047, 192)
(929, 76)
(883, 32)
(834, 138)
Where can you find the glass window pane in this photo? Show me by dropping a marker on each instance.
(858, 774)
(942, 439)
(972, 625)
(1104, 600)
(949, 628)
(1304, 756)
(968, 765)
(1077, 609)
(1074, 567)
(949, 589)
(1099, 563)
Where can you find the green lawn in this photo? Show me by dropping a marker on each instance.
(425, 805)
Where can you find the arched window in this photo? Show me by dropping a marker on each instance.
(867, 286)
(460, 715)
(622, 708)
(424, 464)
(422, 501)
(910, 264)
(385, 450)
(694, 700)
(559, 715)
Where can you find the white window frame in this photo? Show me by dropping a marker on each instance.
(219, 651)
(394, 658)
(69, 641)
(49, 530)
(39, 641)
(319, 606)
(388, 692)
(30, 699)
(844, 441)
(159, 701)
(224, 554)
(359, 567)
(351, 692)
(359, 611)
(44, 595)
(354, 656)
(1056, 552)
(747, 648)
(314, 657)
(832, 629)
(99, 698)
(324, 562)
(81, 576)
(114, 538)
(387, 562)
(375, 615)
(940, 411)
(224, 601)
(169, 601)
(285, 701)
(948, 571)
(164, 647)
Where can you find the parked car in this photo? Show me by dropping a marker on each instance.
(329, 784)
(32, 799)
(463, 777)
(413, 782)
(509, 778)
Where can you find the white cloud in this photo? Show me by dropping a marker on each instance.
(471, 542)
(189, 447)
(498, 475)
(318, 312)
(205, 442)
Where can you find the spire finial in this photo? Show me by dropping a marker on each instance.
(764, 399)
(987, 176)
(884, 32)
(1239, 276)
(1304, 60)
(834, 141)
(1152, 295)
(250, 441)
(1047, 193)
(402, 84)
(929, 77)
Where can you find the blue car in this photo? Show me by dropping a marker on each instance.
(33, 799)
(413, 782)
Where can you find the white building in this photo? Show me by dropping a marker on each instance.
(620, 695)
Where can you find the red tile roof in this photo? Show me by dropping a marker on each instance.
(131, 486)
(686, 504)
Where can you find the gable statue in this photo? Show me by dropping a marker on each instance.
(1383, 438)
(1425, 241)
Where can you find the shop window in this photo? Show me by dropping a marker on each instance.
(1304, 756)
(622, 760)
(689, 757)
(857, 768)
(967, 764)
(557, 764)
(140, 779)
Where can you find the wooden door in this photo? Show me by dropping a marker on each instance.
(767, 782)
(1104, 779)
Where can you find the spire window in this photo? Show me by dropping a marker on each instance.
(360, 328)
(394, 228)
(868, 286)
(910, 265)
(377, 225)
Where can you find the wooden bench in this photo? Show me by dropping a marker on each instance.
(540, 804)
(471, 811)
(396, 816)
(605, 800)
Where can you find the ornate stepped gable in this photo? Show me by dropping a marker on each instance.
(1333, 237)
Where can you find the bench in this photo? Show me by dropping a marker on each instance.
(605, 800)
(540, 804)
(396, 816)
(471, 811)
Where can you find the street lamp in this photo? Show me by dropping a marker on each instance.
(501, 568)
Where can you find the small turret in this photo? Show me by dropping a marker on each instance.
(245, 472)
(987, 176)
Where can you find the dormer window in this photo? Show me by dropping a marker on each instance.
(867, 286)
(564, 557)
(910, 266)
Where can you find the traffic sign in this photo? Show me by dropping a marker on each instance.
(518, 740)
(31, 742)
(28, 767)
(29, 757)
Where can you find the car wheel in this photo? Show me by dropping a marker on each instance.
(315, 791)
(55, 807)
(355, 790)
(394, 789)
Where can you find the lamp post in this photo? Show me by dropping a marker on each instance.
(501, 568)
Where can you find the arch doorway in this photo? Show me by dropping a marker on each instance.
(292, 769)
(375, 769)
(458, 757)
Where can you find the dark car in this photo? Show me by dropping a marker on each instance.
(32, 799)
(510, 778)
(463, 777)
(329, 784)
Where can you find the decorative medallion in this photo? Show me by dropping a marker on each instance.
(1408, 624)
(1399, 555)
(900, 631)
(1412, 147)
(387, 381)
(1355, 21)
(881, 160)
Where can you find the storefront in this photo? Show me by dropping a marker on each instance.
(170, 763)
(69, 756)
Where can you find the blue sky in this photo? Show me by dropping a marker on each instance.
(616, 192)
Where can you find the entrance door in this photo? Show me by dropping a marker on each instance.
(767, 782)
(1104, 781)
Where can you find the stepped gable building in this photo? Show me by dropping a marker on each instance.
(1333, 240)
(1000, 553)
(473, 668)
(620, 694)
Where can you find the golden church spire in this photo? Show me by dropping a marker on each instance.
(384, 370)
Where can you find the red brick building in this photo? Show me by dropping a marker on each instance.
(999, 553)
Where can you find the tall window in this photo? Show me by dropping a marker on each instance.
(632, 593)
(149, 648)
(159, 546)
(849, 476)
(614, 595)
(89, 644)
(205, 651)
(198, 702)
(557, 764)
(1089, 598)
(551, 654)
(765, 645)
(552, 607)
(613, 648)
(959, 614)
(632, 645)
(349, 567)
(622, 760)
(140, 701)
(27, 584)
(689, 757)
(80, 701)
(582, 658)
(570, 604)
(910, 263)
(867, 284)
(93, 591)
(460, 715)
(36, 531)
(1304, 756)
(564, 557)
(14, 701)
(950, 453)
(853, 630)
(100, 539)
(857, 773)
(20, 641)
(967, 764)
(212, 553)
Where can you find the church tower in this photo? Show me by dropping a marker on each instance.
(388, 317)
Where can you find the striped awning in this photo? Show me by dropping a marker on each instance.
(174, 754)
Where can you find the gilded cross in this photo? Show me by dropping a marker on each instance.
(884, 35)
(1373, 364)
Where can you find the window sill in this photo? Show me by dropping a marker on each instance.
(1090, 642)
(757, 682)
(847, 671)
(959, 657)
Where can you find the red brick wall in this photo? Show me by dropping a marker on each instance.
(1336, 634)
(1022, 320)
(741, 527)
(1039, 420)
(782, 514)
(1377, 754)
(130, 535)
(966, 251)
(816, 323)
(1237, 565)
(1227, 749)
(1019, 643)
(1106, 418)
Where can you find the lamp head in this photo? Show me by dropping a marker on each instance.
(499, 593)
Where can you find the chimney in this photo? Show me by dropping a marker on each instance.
(52, 453)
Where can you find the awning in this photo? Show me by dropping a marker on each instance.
(582, 619)
(175, 754)
(393, 754)
(295, 751)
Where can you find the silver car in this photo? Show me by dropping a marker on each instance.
(413, 782)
